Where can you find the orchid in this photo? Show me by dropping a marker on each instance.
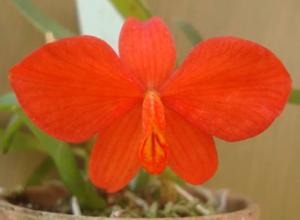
(147, 114)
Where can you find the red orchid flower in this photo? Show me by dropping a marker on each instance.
(146, 113)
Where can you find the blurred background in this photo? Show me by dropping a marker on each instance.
(265, 168)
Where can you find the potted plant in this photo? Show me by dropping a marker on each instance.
(154, 123)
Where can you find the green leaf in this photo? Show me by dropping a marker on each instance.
(38, 19)
(24, 141)
(172, 176)
(131, 8)
(8, 102)
(141, 181)
(65, 162)
(190, 31)
(294, 97)
(40, 172)
(63, 157)
(14, 124)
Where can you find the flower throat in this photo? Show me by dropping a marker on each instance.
(153, 150)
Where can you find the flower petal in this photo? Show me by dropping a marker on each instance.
(114, 159)
(72, 87)
(192, 152)
(229, 87)
(147, 48)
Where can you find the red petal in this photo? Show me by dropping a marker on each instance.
(114, 159)
(147, 48)
(72, 87)
(231, 88)
(192, 152)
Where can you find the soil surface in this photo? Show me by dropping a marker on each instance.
(174, 202)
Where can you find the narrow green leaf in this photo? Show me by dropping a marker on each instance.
(131, 8)
(40, 172)
(190, 31)
(38, 19)
(64, 159)
(65, 162)
(8, 102)
(294, 97)
(24, 141)
(13, 126)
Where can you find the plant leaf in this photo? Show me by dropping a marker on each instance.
(294, 97)
(59, 152)
(173, 177)
(42, 22)
(141, 181)
(40, 172)
(13, 126)
(24, 141)
(131, 8)
(66, 165)
(190, 31)
(8, 102)
(63, 157)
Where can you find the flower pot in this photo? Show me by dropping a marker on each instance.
(239, 208)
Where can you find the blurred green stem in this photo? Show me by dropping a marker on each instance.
(294, 97)
(131, 8)
(190, 31)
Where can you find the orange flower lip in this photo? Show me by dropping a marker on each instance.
(153, 150)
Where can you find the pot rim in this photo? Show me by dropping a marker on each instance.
(250, 208)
